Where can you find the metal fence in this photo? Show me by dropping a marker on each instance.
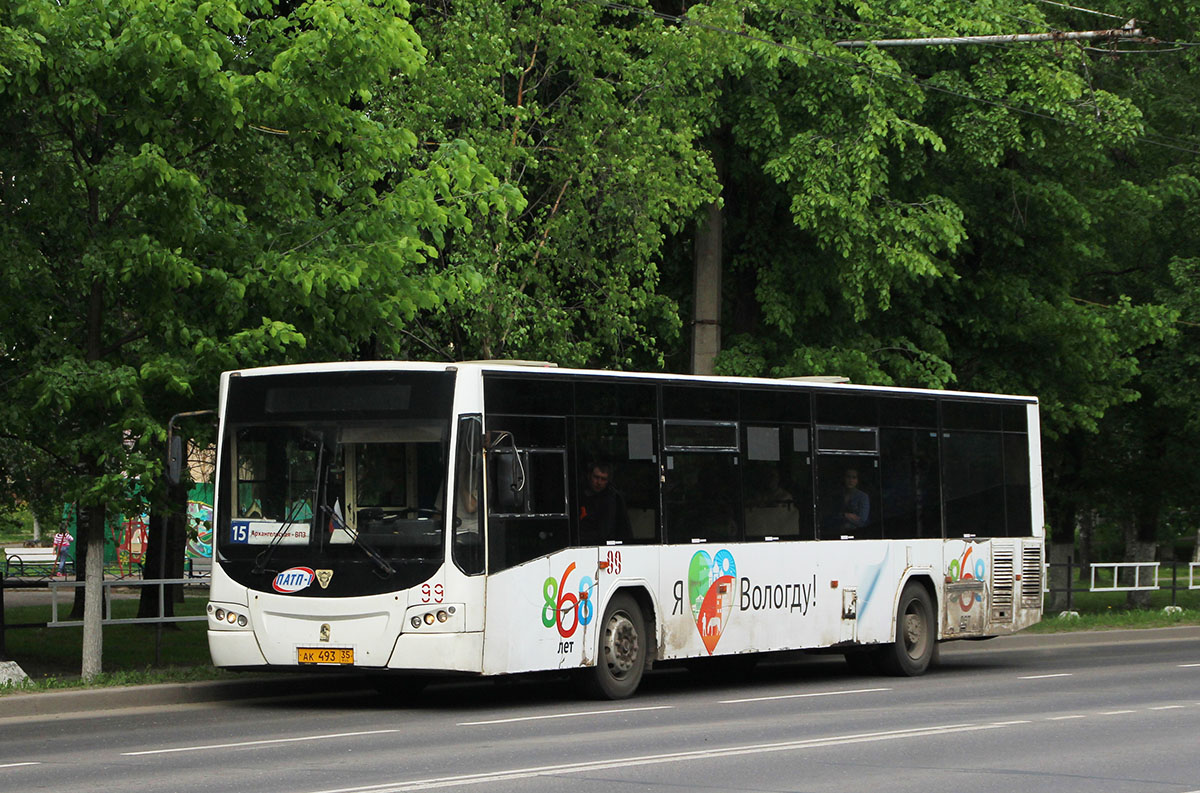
(1128, 577)
(57, 587)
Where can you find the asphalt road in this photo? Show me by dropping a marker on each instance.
(1083, 712)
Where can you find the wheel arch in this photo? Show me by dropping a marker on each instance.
(923, 579)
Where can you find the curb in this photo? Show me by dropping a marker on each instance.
(101, 701)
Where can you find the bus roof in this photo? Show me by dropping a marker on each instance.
(538, 368)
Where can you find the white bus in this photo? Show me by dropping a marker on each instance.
(491, 518)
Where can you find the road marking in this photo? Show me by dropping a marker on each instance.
(1188, 666)
(1117, 712)
(656, 759)
(801, 696)
(16, 765)
(1064, 718)
(209, 746)
(1167, 707)
(563, 715)
(1044, 677)
(1011, 723)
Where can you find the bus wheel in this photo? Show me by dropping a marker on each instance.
(622, 650)
(916, 635)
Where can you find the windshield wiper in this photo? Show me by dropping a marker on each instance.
(356, 539)
(264, 556)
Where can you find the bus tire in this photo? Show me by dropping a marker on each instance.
(620, 648)
(916, 634)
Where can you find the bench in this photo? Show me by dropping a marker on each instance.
(24, 562)
(198, 567)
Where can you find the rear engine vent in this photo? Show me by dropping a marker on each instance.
(1031, 577)
(1003, 583)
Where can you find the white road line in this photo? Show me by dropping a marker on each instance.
(16, 765)
(1188, 666)
(640, 760)
(1011, 723)
(209, 746)
(801, 696)
(1064, 718)
(1167, 707)
(563, 715)
(1044, 677)
(1117, 712)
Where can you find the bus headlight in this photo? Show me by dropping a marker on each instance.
(223, 616)
(442, 618)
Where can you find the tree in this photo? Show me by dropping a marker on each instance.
(596, 112)
(190, 186)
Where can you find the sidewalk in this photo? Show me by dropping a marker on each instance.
(101, 701)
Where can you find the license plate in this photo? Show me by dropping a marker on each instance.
(325, 655)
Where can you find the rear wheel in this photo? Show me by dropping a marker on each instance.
(621, 650)
(916, 635)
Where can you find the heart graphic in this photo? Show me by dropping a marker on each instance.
(710, 590)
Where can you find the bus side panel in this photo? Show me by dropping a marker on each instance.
(722, 600)
(542, 614)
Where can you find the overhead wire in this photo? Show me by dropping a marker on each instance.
(1146, 138)
(1085, 10)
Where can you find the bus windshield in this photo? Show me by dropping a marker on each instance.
(317, 479)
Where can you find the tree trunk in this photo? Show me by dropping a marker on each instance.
(1060, 549)
(1141, 544)
(1087, 535)
(93, 632)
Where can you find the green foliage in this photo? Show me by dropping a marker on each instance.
(193, 186)
(596, 113)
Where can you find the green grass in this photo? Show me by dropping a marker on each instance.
(1115, 619)
(52, 657)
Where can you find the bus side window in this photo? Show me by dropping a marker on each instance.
(615, 489)
(467, 548)
(527, 501)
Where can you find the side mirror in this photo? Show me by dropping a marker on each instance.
(174, 459)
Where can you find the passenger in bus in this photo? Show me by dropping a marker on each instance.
(850, 507)
(602, 512)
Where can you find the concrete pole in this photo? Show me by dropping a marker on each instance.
(706, 308)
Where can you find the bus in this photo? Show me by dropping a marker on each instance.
(491, 518)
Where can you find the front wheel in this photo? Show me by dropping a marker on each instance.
(916, 634)
(621, 646)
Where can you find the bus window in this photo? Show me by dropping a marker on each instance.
(527, 489)
(911, 497)
(973, 473)
(777, 483)
(1018, 520)
(848, 497)
(702, 498)
(625, 509)
(467, 549)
